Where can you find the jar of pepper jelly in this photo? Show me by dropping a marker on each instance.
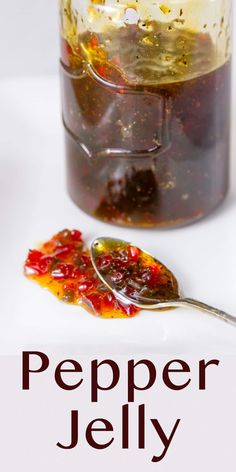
(146, 108)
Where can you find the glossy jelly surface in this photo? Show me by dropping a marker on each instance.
(146, 109)
(63, 266)
(132, 272)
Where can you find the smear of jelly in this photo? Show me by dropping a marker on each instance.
(63, 266)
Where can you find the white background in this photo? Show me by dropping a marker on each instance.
(28, 37)
(31, 156)
(34, 205)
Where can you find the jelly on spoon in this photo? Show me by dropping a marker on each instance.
(136, 277)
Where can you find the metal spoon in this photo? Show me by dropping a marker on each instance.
(172, 299)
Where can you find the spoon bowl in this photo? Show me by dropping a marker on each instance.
(135, 276)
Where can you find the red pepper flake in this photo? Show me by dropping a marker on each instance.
(63, 271)
(104, 262)
(64, 251)
(86, 285)
(151, 276)
(133, 253)
(37, 263)
(102, 71)
(93, 41)
(76, 235)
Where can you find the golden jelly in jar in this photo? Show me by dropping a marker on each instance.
(146, 108)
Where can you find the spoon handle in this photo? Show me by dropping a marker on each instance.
(208, 309)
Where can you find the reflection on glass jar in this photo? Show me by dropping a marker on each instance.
(146, 108)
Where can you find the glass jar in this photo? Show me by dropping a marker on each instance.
(146, 108)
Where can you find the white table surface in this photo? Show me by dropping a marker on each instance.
(34, 205)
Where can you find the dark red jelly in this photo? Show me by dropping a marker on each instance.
(133, 272)
(152, 151)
